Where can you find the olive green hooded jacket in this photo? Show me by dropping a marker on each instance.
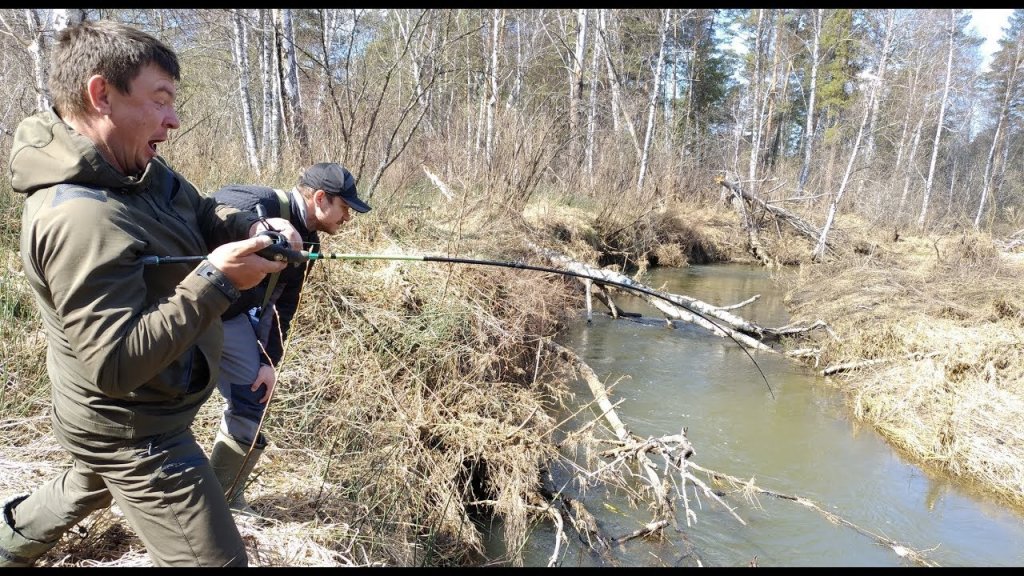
(132, 349)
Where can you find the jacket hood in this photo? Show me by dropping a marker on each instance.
(47, 151)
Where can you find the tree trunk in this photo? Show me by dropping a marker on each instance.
(291, 83)
(37, 50)
(908, 169)
(819, 250)
(883, 59)
(942, 117)
(576, 79)
(271, 146)
(818, 18)
(497, 25)
(1003, 120)
(652, 103)
(613, 79)
(602, 29)
(240, 50)
(755, 104)
(592, 110)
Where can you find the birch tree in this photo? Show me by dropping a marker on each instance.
(819, 249)
(951, 32)
(653, 100)
(884, 52)
(290, 81)
(756, 117)
(817, 17)
(616, 84)
(875, 83)
(240, 52)
(35, 45)
(271, 143)
(592, 110)
(497, 26)
(576, 75)
(1006, 77)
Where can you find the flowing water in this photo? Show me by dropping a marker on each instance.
(803, 442)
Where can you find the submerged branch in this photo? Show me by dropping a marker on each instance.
(749, 486)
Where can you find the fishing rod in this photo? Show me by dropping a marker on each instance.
(281, 251)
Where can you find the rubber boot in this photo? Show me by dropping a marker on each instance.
(227, 458)
(16, 551)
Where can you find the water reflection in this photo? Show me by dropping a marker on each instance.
(802, 443)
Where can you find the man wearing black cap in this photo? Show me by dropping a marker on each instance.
(258, 322)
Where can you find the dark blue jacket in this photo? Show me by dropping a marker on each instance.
(246, 197)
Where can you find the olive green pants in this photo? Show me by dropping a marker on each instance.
(164, 485)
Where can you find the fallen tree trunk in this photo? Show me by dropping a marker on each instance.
(802, 227)
(686, 308)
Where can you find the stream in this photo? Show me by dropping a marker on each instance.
(803, 442)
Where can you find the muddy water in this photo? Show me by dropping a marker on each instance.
(803, 442)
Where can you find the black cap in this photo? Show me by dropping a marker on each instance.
(335, 180)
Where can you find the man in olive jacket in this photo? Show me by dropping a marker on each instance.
(132, 349)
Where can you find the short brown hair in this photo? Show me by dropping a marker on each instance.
(113, 50)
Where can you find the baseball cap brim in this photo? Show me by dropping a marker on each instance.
(356, 204)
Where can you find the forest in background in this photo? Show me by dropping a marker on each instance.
(882, 113)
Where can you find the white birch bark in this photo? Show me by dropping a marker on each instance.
(404, 19)
(908, 169)
(482, 109)
(883, 59)
(269, 143)
(64, 17)
(819, 250)
(284, 135)
(755, 105)
(576, 75)
(906, 120)
(818, 17)
(1003, 120)
(652, 103)
(592, 111)
(617, 104)
(602, 29)
(670, 90)
(36, 48)
(291, 81)
(517, 78)
(240, 51)
(942, 116)
(497, 24)
(331, 19)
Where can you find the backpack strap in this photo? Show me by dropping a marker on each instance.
(282, 198)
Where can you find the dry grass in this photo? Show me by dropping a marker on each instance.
(948, 311)
(411, 393)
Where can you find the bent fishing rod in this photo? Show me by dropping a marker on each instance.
(281, 251)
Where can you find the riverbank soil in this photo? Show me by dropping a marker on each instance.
(933, 330)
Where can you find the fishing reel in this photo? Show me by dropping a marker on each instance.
(279, 249)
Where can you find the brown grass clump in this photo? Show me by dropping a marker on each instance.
(946, 312)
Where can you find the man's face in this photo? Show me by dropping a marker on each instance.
(331, 213)
(141, 119)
